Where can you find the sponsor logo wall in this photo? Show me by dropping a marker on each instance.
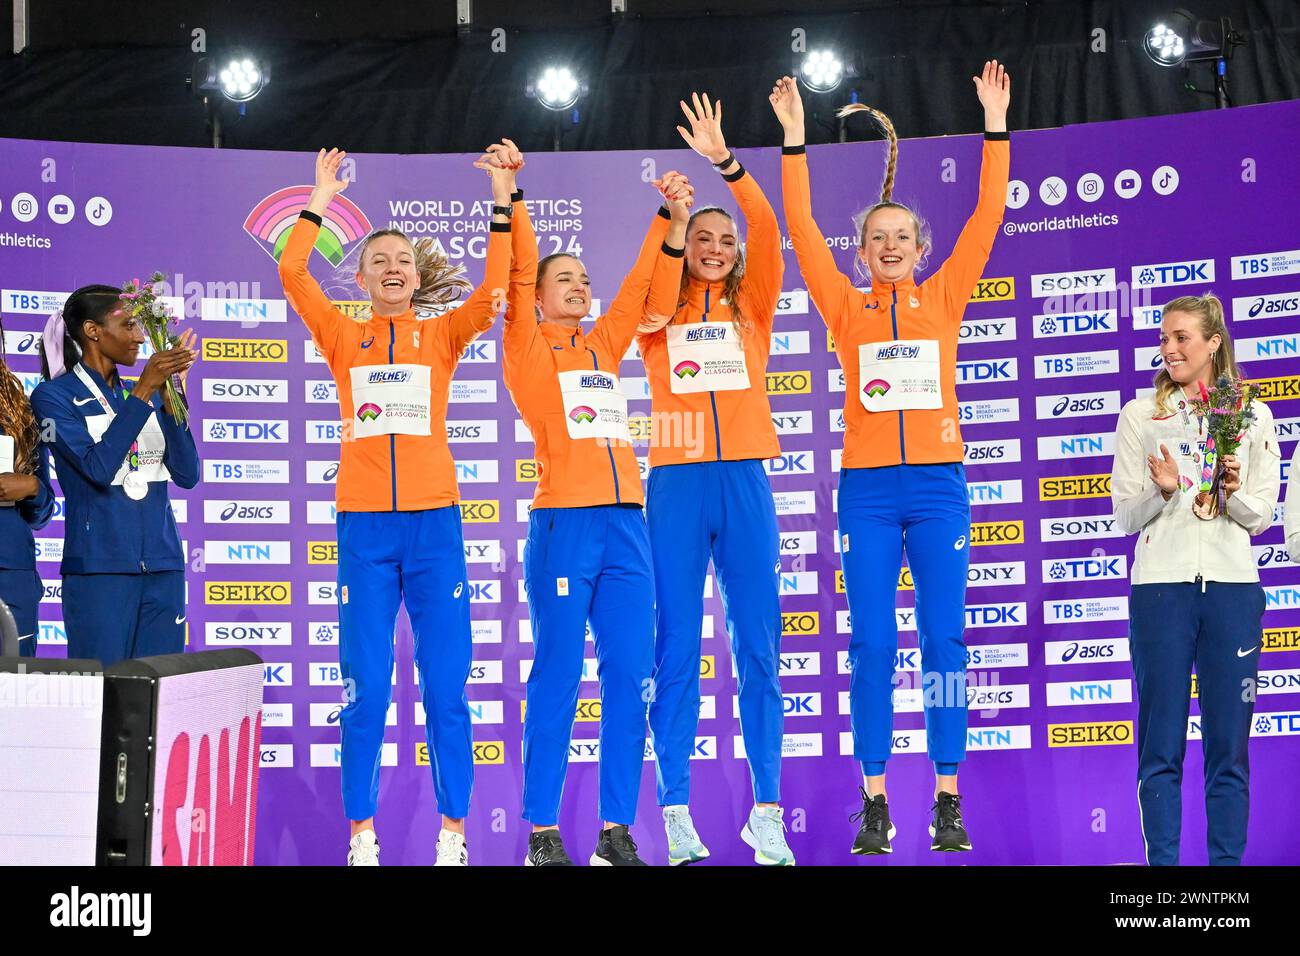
(1059, 334)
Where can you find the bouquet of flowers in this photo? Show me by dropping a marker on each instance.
(1228, 414)
(158, 322)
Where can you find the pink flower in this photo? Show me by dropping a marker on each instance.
(1205, 396)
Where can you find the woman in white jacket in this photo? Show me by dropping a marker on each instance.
(1291, 523)
(1196, 597)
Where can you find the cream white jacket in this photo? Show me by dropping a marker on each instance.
(1291, 523)
(1173, 544)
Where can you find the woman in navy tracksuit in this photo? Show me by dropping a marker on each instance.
(116, 449)
(1196, 598)
(26, 504)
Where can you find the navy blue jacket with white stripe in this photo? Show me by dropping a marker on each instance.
(105, 532)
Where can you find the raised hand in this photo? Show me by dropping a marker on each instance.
(1164, 471)
(163, 365)
(327, 169)
(678, 193)
(993, 87)
(787, 104)
(705, 135)
(501, 161)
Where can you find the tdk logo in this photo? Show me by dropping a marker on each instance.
(1084, 569)
(706, 333)
(241, 431)
(897, 352)
(1173, 273)
(387, 377)
(596, 381)
(995, 615)
(1077, 323)
(994, 370)
(791, 463)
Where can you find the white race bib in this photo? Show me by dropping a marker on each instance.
(594, 405)
(898, 375)
(151, 445)
(705, 357)
(390, 400)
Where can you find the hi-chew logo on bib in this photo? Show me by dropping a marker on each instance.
(898, 375)
(705, 357)
(595, 405)
(391, 400)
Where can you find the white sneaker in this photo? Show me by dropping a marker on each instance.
(363, 850)
(451, 849)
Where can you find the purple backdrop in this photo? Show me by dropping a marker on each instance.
(1042, 380)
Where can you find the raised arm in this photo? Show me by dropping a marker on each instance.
(648, 294)
(958, 275)
(764, 264)
(520, 318)
(474, 316)
(832, 292)
(323, 321)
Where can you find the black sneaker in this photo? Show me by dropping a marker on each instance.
(545, 848)
(877, 829)
(946, 824)
(615, 848)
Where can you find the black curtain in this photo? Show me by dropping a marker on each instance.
(449, 91)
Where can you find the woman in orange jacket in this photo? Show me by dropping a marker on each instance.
(587, 557)
(902, 482)
(709, 496)
(399, 523)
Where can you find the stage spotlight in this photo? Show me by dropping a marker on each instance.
(238, 78)
(1178, 37)
(821, 71)
(557, 88)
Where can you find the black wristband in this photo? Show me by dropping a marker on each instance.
(310, 217)
(793, 150)
(1005, 134)
(502, 210)
(499, 227)
(517, 196)
(731, 157)
(670, 251)
(663, 213)
(732, 177)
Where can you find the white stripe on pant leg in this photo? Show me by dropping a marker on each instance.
(1146, 850)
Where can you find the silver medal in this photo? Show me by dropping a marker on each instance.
(135, 486)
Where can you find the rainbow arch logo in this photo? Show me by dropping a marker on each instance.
(686, 369)
(369, 412)
(876, 388)
(272, 219)
(583, 414)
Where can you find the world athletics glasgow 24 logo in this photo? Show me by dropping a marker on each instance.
(272, 219)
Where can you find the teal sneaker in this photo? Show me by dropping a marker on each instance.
(765, 832)
(684, 844)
